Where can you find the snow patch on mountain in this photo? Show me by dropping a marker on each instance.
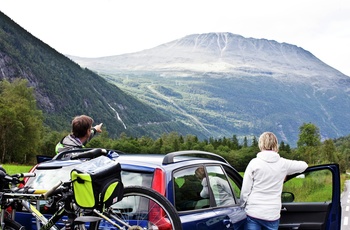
(230, 84)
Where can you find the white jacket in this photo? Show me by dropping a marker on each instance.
(263, 184)
(221, 190)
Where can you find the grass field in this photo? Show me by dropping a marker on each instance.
(13, 169)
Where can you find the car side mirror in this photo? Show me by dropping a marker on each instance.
(287, 197)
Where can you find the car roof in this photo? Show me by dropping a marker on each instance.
(168, 161)
(149, 162)
(152, 159)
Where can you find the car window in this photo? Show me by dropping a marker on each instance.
(315, 186)
(136, 178)
(192, 192)
(311, 200)
(187, 190)
(220, 186)
(134, 204)
(236, 189)
(235, 180)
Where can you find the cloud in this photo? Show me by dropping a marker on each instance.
(95, 28)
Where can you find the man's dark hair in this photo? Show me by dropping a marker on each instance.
(81, 125)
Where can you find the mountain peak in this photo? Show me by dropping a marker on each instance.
(227, 84)
(238, 52)
(221, 52)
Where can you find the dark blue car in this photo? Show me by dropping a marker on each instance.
(174, 175)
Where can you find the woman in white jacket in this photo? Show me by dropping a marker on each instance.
(263, 184)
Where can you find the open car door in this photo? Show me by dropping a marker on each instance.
(311, 200)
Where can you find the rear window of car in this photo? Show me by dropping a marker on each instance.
(130, 178)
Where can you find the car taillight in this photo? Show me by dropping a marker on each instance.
(157, 217)
(159, 181)
(156, 213)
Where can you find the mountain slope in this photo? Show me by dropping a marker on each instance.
(224, 84)
(63, 89)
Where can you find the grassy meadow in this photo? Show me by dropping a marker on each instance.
(13, 169)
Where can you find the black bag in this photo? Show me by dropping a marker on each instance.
(97, 183)
(4, 184)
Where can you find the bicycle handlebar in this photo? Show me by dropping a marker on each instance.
(15, 177)
(4, 176)
(19, 175)
(93, 153)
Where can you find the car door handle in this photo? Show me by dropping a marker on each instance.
(284, 209)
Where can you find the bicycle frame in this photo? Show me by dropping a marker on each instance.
(25, 200)
(41, 219)
(107, 217)
(66, 208)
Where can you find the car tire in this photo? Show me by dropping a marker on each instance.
(144, 208)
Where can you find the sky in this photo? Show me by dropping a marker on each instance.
(97, 28)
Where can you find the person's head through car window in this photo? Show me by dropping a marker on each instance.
(200, 173)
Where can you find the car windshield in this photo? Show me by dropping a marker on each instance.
(47, 177)
(48, 174)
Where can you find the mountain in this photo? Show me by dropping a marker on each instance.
(224, 84)
(63, 89)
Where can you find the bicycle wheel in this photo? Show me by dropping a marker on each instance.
(143, 208)
(12, 225)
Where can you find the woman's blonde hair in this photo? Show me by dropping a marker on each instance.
(268, 141)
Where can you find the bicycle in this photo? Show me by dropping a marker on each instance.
(7, 204)
(140, 207)
(13, 197)
(159, 214)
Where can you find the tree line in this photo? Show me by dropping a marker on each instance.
(23, 136)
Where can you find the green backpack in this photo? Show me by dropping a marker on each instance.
(97, 183)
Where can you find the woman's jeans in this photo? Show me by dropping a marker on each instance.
(258, 224)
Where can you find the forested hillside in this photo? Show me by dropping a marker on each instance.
(63, 89)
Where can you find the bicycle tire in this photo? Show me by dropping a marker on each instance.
(144, 208)
(12, 225)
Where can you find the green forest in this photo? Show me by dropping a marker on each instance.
(23, 136)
